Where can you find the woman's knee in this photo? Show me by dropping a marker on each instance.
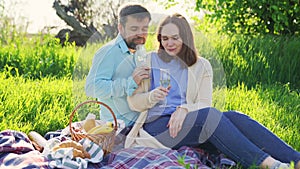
(212, 121)
(235, 115)
(209, 110)
(204, 116)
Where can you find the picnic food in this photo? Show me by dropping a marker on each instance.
(38, 141)
(101, 129)
(105, 140)
(110, 124)
(78, 150)
(89, 124)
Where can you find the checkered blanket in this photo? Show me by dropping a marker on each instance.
(150, 158)
(17, 151)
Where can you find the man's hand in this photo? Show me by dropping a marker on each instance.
(140, 73)
(176, 121)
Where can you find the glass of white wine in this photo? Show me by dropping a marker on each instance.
(164, 81)
(141, 55)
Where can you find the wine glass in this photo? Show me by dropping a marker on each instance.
(141, 60)
(164, 80)
(141, 55)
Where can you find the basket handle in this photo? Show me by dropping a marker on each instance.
(97, 102)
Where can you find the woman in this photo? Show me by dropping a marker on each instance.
(181, 114)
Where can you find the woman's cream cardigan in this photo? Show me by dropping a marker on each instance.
(199, 95)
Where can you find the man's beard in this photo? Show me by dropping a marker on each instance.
(132, 44)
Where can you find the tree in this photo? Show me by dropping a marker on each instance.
(88, 18)
(254, 17)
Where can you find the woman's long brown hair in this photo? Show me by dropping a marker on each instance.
(188, 52)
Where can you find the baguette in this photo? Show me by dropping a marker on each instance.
(37, 140)
(78, 150)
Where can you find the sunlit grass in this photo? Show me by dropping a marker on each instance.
(40, 105)
(45, 105)
(274, 106)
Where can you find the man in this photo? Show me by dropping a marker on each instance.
(113, 75)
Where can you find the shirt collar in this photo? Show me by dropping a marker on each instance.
(122, 44)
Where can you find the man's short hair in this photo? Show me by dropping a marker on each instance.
(134, 10)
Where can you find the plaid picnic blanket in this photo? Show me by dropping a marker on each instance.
(18, 152)
(154, 158)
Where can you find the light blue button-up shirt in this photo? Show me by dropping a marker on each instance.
(110, 80)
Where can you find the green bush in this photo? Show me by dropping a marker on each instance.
(253, 17)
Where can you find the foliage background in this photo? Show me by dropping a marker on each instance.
(250, 17)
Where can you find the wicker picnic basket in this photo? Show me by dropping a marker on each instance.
(106, 141)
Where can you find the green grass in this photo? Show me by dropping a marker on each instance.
(252, 60)
(275, 106)
(38, 57)
(45, 105)
(40, 105)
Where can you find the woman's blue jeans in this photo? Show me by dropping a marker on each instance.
(235, 134)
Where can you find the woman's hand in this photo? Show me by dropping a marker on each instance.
(158, 94)
(176, 121)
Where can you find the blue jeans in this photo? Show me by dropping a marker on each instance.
(234, 134)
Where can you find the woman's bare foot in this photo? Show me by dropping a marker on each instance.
(267, 163)
(297, 166)
(271, 163)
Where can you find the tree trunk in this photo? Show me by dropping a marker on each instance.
(80, 34)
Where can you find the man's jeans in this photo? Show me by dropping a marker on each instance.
(234, 134)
